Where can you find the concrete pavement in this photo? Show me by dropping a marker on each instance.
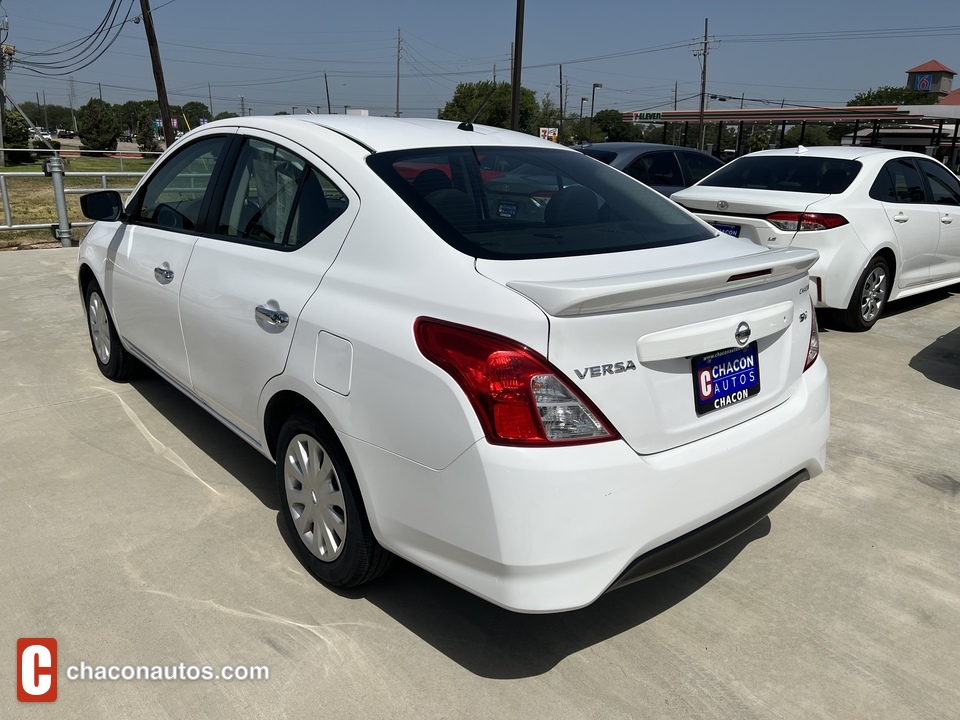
(137, 531)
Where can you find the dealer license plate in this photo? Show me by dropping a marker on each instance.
(725, 378)
(728, 229)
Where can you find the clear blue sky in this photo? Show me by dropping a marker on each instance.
(275, 53)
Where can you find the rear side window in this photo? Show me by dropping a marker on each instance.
(898, 182)
(275, 198)
(699, 165)
(943, 184)
(789, 173)
(520, 203)
(657, 168)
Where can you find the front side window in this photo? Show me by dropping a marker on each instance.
(788, 173)
(516, 203)
(172, 197)
(274, 197)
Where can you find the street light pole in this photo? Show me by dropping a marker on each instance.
(580, 128)
(593, 94)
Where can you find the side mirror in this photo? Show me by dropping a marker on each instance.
(102, 205)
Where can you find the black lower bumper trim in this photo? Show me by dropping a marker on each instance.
(712, 535)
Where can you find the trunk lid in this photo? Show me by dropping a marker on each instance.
(745, 209)
(628, 341)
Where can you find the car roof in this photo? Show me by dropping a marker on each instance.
(840, 152)
(381, 134)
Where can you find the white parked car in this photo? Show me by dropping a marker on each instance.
(886, 223)
(495, 357)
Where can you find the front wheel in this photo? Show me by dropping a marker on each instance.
(322, 508)
(114, 362)
(869, 297)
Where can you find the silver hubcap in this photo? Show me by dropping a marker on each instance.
(874, 291)
(99, 327)
(315, 497)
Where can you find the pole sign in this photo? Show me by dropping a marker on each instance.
(549, 133)
(642, 117)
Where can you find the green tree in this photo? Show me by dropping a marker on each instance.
(610, 126)
(759, 139)
(16, 134)
(889, 95)
(813, 135)
(467, 99)
(99, 125)
(193, 111)
(225, 115)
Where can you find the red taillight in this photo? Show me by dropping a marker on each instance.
(519, 397)
(813, 346)
(800, 222)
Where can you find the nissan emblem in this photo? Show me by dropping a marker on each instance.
(722, 205)
(742, 335)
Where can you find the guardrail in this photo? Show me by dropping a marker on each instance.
(54, 169)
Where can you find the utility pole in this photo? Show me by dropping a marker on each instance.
(5, 52)
(243, 112)
(73, 102)
(593, 95)
(517, 64)
(562, 109)
(46, 121)
(168, 135)
(210, 97)
(397, 112)
(703, 82)
(326, 84)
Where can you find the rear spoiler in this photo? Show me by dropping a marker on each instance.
(611, 293)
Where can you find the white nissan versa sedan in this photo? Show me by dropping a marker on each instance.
(495, 357)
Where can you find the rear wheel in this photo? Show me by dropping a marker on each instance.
(322, 508)
(114, 362)
(869, 297)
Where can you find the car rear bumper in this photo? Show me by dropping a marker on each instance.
(548, 530)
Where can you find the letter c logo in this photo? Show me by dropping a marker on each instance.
(36, 669)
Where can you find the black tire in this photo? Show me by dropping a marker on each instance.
(321, 506)
(112, 359)
(869, 297)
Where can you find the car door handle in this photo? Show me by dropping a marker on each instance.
(946, 219)
(277, 318)
(900, 217)
(163, 274)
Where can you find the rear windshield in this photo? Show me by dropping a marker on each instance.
(522, 203)
(604, 156)
(791, 173)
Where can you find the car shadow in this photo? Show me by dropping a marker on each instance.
(922, 300)
(940, 361)
(494, 643)
(828, 319)
(231, 453)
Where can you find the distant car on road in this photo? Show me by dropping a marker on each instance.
(66, 134)
(127, 138)
(665, 168)
(886, 222)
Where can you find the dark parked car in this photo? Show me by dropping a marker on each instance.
(665, 168)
